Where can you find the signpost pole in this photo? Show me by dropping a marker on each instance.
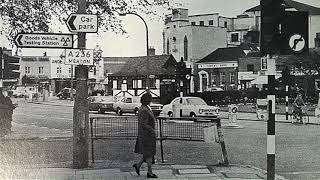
(81, 108)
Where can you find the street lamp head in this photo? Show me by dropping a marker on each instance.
(122, 14)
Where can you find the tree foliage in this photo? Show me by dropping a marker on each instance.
(37, 15)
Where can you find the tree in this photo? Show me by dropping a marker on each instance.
(38, 15)
(286, 77)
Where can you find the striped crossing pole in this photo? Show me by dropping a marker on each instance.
(181, 95)
(271, 139)
(287, 102)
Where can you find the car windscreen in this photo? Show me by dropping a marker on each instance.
(196, 101)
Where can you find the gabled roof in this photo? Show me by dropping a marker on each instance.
(224, 54)
(293, 4)
(133, 66)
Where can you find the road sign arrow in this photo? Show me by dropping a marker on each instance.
(70, 22)
(18, 39)
(87, 23)
(44, 40)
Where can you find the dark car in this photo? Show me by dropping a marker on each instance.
(101, 103)
(65, 93)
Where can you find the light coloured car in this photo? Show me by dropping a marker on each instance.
(24, 91)
(102, 103)
(191, 107)
(215, 89)
(132, 104)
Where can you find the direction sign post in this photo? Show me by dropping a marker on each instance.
(44, 40)
(87, 23)
(79, 57)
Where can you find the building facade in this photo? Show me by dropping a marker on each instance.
(52, 71)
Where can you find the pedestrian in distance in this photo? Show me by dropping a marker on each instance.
(297, 107)
(146, 140)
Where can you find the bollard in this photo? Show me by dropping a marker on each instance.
(233, 117)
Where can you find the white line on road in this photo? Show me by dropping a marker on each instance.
(301, 172)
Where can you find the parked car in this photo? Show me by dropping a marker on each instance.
(214, 89)
(191, 107)
(101, 103)
(23, 91)
(65, 93)
(132, 104)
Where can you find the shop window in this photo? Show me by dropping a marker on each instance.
(201, 23)
(210, 22)
(193, 23)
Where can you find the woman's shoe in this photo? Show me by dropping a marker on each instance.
(149, 175)
(136, 168)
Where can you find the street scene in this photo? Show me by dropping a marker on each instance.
(160, 89)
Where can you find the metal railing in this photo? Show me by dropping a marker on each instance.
(167, 128)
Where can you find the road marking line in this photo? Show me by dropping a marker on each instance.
(301, 172)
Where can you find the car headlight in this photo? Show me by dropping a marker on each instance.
(217, 110)
(200, 111)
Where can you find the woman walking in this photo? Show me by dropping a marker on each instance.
(146, 140)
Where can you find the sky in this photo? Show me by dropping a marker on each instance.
(134, 42)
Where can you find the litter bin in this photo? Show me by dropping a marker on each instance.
(262, 109)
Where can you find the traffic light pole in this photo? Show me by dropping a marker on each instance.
(81, 107)
(1, 70)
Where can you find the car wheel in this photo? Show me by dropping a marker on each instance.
(170, 114)
(136, 111)
(119, 111)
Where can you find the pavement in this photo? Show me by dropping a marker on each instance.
(163, 171)
(100, 169)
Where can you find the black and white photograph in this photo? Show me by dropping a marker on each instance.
(159, 89)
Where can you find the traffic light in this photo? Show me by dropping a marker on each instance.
(11, 67)
(271, 13)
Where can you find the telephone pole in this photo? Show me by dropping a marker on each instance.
(81, 107)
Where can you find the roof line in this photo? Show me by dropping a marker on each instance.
(204, 14)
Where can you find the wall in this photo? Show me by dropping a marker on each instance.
(56, 62)
(205, 40)
(34, 63)
(243, 62)
(205, 18)
(314, 27)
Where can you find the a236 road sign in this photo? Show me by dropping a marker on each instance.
(87, 23)
(79, 57)
(44, 40)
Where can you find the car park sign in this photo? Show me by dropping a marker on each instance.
(44, 40)
(79, 57)
(87, 23)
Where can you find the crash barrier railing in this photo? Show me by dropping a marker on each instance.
(167, 128)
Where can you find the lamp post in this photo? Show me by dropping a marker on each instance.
(147, 43)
